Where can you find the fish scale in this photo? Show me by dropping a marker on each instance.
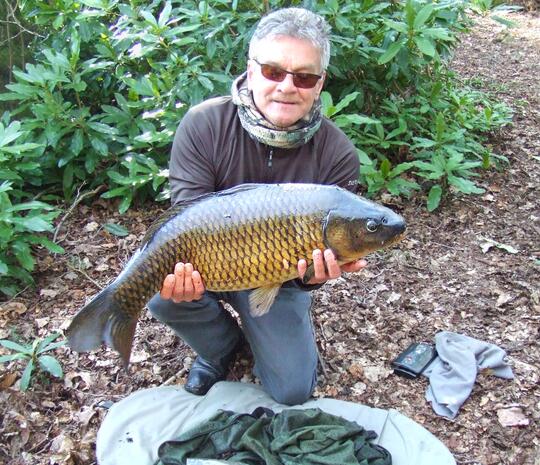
(248, 237)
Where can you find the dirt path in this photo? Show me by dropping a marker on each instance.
(444, 277)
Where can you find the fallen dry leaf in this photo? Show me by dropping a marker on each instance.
(8, 380)
(512, 416)
(52, 293)
(17, 307)
(91, 227)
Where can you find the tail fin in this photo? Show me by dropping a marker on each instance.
(102, 320)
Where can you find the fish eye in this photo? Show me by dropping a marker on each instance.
(372, 225)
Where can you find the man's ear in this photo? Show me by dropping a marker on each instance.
(250, 71)
(320, 84)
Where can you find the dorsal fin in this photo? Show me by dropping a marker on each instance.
(183, 204)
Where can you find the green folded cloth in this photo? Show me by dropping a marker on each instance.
(291, 437)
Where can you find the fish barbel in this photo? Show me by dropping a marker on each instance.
(248, 237)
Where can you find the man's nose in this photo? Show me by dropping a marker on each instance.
(287, 85)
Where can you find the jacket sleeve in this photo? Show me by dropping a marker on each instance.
(340, 163)
(191, 172)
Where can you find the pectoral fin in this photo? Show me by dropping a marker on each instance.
(262, 298)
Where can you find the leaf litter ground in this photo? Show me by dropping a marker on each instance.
(472, 267)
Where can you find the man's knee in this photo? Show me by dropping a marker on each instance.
(160, 308)
(294, 387)
(293, 393)
(204, 310)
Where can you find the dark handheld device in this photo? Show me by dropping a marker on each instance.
(414, 359)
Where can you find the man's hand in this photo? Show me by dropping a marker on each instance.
(326, 267)
(185, 285)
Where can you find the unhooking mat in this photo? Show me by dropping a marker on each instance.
(136, 426)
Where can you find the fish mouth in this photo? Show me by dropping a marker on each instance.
(398, 238)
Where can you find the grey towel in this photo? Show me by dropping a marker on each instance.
(453, 373)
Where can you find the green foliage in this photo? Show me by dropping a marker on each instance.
(111, 79)
(414, 124)
(485, 7)
(35, 357)
(23, 220)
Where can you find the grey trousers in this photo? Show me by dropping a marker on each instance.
(282, 341)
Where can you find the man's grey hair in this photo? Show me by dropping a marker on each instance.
(294, 22)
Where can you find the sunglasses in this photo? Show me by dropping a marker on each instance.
(277, 74)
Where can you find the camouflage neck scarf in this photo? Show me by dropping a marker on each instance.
(260, 129)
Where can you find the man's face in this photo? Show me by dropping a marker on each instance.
(282, 103)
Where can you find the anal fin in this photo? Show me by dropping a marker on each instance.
(262, 298)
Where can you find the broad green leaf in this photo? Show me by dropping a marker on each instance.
(149, 17)
(437, 33)
(434, 197)
(401, 186)
(9, 175)
(16, 346)
(364, 157)
(401, 168)
(183, 41)
(10, 133)
(3, 268)
(165, 14)
(67, 179)
(99, 145)
(6, 231)
(464, 185)
(32, 205)
(327, 104)
(5, 186)
(116, 229)
(47, 243)
(207, 83)
(51, 365)
(54, 345)
(99, 4)
(118, 178)
(76, 142)
(117, 192)
(385, 167)
(42, 344)
(27, 374)
(344, 102)
(425, 46)
(421, 142)
(356, 119)
(125, 203)
(9, 358)
(23, 254)
(103, 128)
(397, 26)
(423, 15)
(392, 51)
(16, 149)
(379, 129)
(34, 223)
(399, 130)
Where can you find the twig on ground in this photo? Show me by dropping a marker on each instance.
(174, 377)
(78, 270)
(17, 295)
(80, 197)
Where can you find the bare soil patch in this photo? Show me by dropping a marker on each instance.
(443, 277)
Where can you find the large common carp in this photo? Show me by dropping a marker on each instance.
(248, 237)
